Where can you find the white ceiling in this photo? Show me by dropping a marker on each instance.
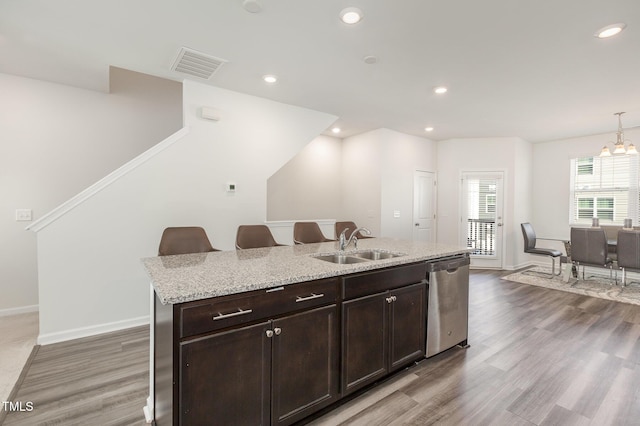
(526, 68)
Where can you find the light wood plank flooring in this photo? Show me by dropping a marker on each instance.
(18, 335)
(537, 357)
(99, 380)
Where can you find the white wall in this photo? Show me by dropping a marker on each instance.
(91, 278)
(511, 155)
(56, 140)
(378, 169)
(362, 180)
(309, 185)
(551, 170)
(522, 200)
(402, 155)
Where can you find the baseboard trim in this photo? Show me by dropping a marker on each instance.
(77, 333)
(17, 311)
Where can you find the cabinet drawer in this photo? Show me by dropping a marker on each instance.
(213, 314)
(384, 279)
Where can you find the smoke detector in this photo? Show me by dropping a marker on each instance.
(196, 63)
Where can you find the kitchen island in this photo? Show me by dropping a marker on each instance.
(272, 335)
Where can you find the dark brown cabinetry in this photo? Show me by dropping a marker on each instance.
(383, 331)
(305, 364)
(248, 359)
(275, 372)
(276, 356)
(225, 378)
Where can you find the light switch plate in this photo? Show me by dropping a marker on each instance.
(24, 215)
(396, 213)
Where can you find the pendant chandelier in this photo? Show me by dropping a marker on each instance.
(619, 143)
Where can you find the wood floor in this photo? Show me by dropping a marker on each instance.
(537, 357)
(99, 380)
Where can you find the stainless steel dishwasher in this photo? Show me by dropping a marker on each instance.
(448, 304)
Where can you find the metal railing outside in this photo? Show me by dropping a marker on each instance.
(481, 236)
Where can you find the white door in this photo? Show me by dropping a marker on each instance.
(481, 224)
(424, 196)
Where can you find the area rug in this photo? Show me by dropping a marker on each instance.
(598, 286)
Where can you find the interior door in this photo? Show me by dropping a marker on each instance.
(424, 217)
(482, 217)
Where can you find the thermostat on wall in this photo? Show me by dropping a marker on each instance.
(231, 187)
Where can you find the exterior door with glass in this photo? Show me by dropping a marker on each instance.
(481, 222)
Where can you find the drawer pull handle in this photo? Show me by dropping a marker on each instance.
(313, 296)
(232, 314)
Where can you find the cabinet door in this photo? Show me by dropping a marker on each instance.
(225, 378)
(364, 344)
(305, 364)
(407, 325)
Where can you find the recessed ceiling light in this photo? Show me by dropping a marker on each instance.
(428, 129)
(351, 15)
(336, 130)
(610, 30)
(252, 6)
(370, 59)
(270, 78)
(440, 90)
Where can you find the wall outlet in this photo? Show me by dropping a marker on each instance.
(24, 215)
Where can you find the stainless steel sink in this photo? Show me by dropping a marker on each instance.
(340, 258)
(376, 254)
(359, 256)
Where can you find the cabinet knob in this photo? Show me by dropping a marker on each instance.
(269, 333)
(277, 331)
(389, 299)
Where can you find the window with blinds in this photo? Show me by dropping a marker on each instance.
(606, 188)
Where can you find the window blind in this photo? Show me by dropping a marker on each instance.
(606, 188)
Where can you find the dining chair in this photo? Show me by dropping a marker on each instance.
(530, 241)
(184, 240)
(589, 248)
(351, 226)
(308, 233)
(254, 236)
(628, 252)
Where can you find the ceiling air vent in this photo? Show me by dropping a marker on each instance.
(197, 64)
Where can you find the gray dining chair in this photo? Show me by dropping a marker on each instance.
(529, 236)
(628, 252)
(589, 248)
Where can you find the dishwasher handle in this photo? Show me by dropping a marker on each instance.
(448, 264)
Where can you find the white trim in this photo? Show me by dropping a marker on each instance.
(77, 333)
(290, 223)
(17, 311)
(78, 199)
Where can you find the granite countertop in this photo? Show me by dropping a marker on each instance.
(187, 277)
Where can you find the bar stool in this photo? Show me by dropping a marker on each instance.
(184, 240)
(308, 233)
(254, 236)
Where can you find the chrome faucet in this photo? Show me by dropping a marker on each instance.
(344, 243)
